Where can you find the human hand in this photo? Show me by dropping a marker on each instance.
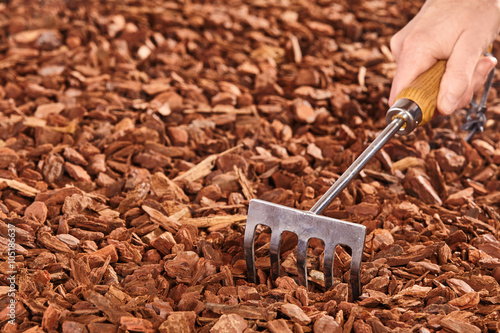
(454, 30)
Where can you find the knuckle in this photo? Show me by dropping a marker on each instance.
(395, 45)
(395, 42)
(414, 45)
(458, 85)
(416, 39)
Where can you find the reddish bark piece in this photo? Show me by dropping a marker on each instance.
(43, 111)
(107, 305)
(7, 157)
(103, 254)
(248, 68)
(406, 210)
(312, 93)
(278, 326)
(230, 323)
(52, 243)
(164, 243)
(496, 156)
(245, 311)
(418, 185)
(74, 156)
(484, 148)
(480, 282)
(304, 111)
(427, 266)
(449, 160)
(156, 86)
(77, 172)
(294, 164)
(484, 175)
(182, 266)
(360, 326)
(468, 300)
(378, 283)
(416, 291)
(326, 324)
(420, 254)
(212, 192)
(225, 98)
(181, 322)
(436, 177)
(227, 162)
(166, 102)
(102, 328)
(378, 238)
(163, 187)
(246, 293)
(461, 197)
(178, 135)
(364, 210)
(12, 90)
(456, 322)
(37, 211)
(295, 313)
(135, 324)
(50, 320)
(308, 77)
(96, 164)
(73, 327)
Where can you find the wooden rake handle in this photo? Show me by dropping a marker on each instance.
(424, 90)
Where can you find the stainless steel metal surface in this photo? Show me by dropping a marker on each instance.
(305, 225)
(358, 165)
(409, 111)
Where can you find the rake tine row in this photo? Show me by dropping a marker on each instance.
(332, 232)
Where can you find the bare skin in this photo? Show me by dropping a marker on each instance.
(458, 31)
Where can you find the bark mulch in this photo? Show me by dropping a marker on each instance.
(134, 133)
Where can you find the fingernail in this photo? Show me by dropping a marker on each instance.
(448, 104)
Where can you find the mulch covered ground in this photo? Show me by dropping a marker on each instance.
(134, 133)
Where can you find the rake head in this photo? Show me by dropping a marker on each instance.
(305, 225)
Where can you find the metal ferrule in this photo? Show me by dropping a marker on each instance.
(409, 111)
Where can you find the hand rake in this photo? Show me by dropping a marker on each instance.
(414, 106)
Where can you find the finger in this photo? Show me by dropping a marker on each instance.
(483, 69)
(457, 78)
(412, 62)
(479, 77)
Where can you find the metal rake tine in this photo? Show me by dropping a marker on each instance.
(328, 261)
(355, 285)
(274, 251)
(248, 245)
(302, 260)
